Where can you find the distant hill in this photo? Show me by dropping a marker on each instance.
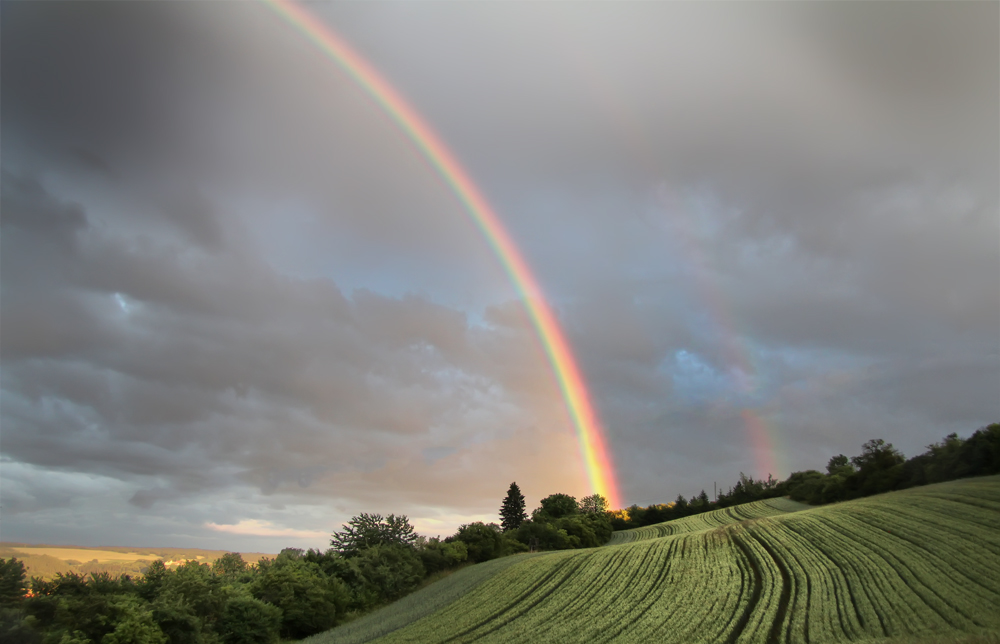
(918, 565)
(42, 560)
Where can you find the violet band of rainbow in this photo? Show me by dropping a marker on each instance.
(590, 435)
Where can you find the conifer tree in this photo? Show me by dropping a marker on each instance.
(512, 512)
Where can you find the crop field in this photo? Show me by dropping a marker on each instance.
(420, 604)
(45, 561)
(714, 519)
(905, 566)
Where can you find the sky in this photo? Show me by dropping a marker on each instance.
(239, 307)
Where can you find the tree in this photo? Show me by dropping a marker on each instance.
(310, 601)
(370, 530)
(839, 464)
(483, 540)
(512, 512)
(556, 506)
(438, 555)
(12, 582)
(134, 623)
(246, 620)
(385, 573)
(593, 504)
(877, 455)
(230, 564)
(700, 503)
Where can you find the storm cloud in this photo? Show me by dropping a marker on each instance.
(239, 307)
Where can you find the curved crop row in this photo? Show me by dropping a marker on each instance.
(917, 562)
(709, 520)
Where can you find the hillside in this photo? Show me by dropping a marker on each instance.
(45, 561)
(706, 520)
(921, 562)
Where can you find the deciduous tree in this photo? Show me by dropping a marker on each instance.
(593, 504)
(370, 530)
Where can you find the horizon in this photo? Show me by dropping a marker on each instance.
(246, 297)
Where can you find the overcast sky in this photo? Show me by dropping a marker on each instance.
(238, 307)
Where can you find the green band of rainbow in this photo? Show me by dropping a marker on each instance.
(593, 448)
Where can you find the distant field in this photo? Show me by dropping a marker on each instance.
(84, 554)
(45, 561)
(920, 565)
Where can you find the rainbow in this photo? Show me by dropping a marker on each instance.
(590, 436)
(761, 435)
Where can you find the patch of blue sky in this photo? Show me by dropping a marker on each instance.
(694, 378)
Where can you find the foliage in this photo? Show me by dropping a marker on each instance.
(230, 565)
(370, 530)
(13, 587)
(385, 573)
(484, 541)
(543, 535)
(246, 620)
(512, 512)
(12, 582)
(437, 555)
(310, 601)
(593, 504)
(556, 506)
(134, 623)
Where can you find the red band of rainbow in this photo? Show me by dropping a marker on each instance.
(593, 448)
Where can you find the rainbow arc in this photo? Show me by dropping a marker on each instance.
(590, 435)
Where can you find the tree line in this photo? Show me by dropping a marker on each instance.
(879, 468)
(375, 559)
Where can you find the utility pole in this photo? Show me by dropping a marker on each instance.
(715, 490)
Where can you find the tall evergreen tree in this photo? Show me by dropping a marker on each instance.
(512, 512)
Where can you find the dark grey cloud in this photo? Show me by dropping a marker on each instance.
(234, 293)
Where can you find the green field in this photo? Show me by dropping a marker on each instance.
(916, 565)
(706, 520)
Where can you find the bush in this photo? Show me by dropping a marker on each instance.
(134, 623)
(437, 555)
(385, 573)
(483, 540)
(310, 601)
(544, 535)
(246, 620)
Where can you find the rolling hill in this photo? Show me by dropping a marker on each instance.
(921, 565)
(45, 561)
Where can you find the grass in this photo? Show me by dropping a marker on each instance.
(434, 595)
(708, 520)
(910, 567)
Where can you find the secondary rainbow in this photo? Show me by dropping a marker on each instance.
(590, 436)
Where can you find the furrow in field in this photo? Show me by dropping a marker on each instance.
(897, 565)
(840, 617)
(488, 601)
(583, 607)
(646, 595)
(902, 611)
(764, 611)
(964, 556)
(929, 576)
(525, 602)
(709, 520)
